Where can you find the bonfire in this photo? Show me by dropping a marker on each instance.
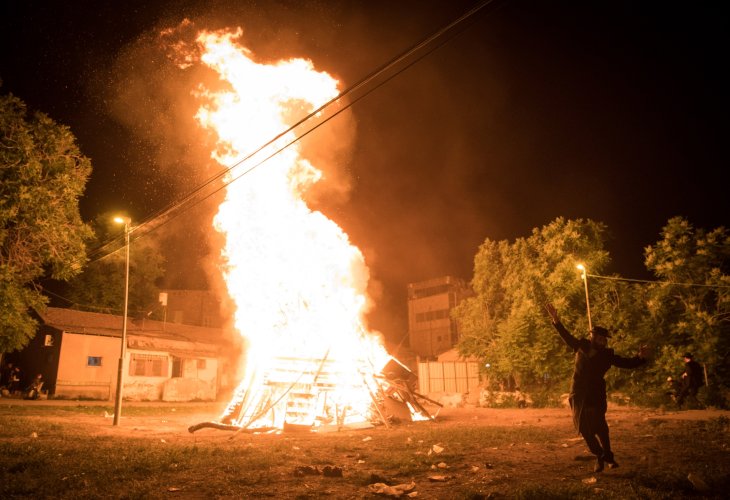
(297, 282)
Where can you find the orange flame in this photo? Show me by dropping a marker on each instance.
(297, 281)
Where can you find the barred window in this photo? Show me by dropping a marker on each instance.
(148, 365)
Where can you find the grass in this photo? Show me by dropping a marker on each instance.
(81, 408)
(71, 452)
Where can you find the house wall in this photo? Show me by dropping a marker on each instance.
(77, 378)
(145, 387)
(85, 365)
(199, 381)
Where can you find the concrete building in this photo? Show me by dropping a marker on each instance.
(193, 307)
(431, 330)
(77, 353)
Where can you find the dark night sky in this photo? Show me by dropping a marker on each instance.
(609, 110)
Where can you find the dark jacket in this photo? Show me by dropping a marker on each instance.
(693, 372)
(588, 389)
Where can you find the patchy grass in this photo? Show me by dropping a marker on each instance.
(75, 452)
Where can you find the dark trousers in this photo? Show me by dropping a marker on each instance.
(594, 430)
(688, 393)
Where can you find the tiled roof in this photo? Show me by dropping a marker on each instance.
(73, 321)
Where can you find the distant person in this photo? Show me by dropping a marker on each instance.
(588, 389)
(520, 398)
(692, 380)
(14, 381)
(33, 391)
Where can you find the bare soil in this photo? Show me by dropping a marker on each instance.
(688, 447)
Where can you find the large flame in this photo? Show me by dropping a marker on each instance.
(298, 283)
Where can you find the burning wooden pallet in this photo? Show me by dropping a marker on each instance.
(305, 394)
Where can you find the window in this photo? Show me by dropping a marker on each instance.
(93, 361)
(48, 341)
(177, 364)
(429, 291)
(432, 315)
(148, 365)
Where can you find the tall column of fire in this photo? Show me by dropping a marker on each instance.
(297, 282)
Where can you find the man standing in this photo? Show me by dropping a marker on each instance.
(691, 380)
(588, 389)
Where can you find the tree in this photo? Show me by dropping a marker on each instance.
(503, 323)
(42, 176)
(692, 299)
(100, 287)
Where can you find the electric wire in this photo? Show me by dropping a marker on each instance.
(655, 282)
(89, 306)
(193, 198)
(190, 200)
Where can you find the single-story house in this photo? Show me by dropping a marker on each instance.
(78, 354)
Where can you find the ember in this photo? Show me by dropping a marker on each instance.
(298, 284)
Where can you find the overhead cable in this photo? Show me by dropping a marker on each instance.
(615, 278)
(353, 94)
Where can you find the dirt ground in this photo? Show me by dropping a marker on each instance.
(640, 441)
(174, 427)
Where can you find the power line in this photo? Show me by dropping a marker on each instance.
(366, 85)
(614, 278)
(85, 306)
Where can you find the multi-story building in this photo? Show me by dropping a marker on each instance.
(193, 307)
(431, 330)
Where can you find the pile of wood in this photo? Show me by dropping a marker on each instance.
(298, 392)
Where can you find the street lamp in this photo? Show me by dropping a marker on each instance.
(584, 276)
(120, 374)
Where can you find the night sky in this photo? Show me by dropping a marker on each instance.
(608, 110)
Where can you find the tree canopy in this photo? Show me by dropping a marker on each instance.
(504, 323)
(691, 300)
(42, 176)
(100, 286)
(686, 309)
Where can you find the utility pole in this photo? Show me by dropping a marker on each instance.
(584, 276)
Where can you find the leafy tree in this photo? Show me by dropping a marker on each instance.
(503, 323)
(621, 306)
(100, 287)
(692, 300)
(42, 176)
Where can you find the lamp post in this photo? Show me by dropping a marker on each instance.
(120, 374)
(584, 276)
